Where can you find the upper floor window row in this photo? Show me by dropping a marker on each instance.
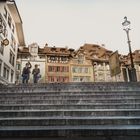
(60, 59)
(3, 30)
(9, 20)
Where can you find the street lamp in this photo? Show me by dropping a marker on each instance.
(132, 70)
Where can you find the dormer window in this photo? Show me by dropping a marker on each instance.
(53, 49)
(33, 48)
(62, 50)
(80, 59)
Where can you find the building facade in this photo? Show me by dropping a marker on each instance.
(136, 60)
(10, 29)
(57, 66)
(81, 69)
(53, 62)
(90, 63)
(31, 54)
(99, 57)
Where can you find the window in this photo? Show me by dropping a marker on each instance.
(13, 42)
(63, 58)
(18, 66)
(86, 70)
(6, 72)
(80, 70)
(12, 75)
(3, 26)
(9, 21)
(0, 66)
(13, 28)
(12, 58)
(7, 76)
(57, 69)
(74, 69)
(5, 13)
(1, 47)
(80, 59)
(50, 68)
(51, 79)
(52, 58)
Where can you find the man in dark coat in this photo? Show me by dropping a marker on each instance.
(26, 73)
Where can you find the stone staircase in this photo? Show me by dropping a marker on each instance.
(81, 111)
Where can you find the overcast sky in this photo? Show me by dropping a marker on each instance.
(72, 23)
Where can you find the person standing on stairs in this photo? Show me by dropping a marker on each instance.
(36, 74)
(26, 73)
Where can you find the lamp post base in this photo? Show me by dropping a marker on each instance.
(132, 75)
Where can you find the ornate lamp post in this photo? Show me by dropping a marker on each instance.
(132, 70)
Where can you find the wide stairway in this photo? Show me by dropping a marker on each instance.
(71, 111)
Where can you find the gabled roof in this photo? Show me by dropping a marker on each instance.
(95, 52)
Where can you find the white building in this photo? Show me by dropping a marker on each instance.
(33, 55)
(10, 28)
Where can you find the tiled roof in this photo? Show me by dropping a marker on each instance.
(23, 50)
(55, 50)
(91, 51)
(95, 52)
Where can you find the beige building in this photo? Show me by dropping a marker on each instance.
(10, 30)
(81, 69)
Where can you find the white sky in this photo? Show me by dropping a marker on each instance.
(72, 23)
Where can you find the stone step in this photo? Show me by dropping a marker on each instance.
(72, 113)
(72, 87)
(107, 132)
(69, 106)
(80, 84)
(66, 89)
(84, 89)
(90, 101)
(69, 97)
(72, 92)
(75, 121)
(109, 111)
